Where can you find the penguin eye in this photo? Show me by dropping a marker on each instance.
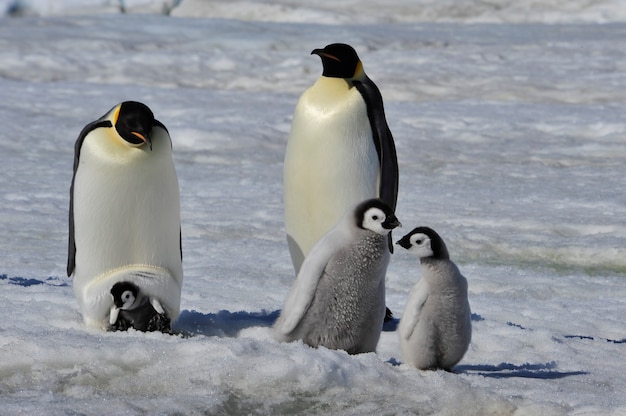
(375, 217)
(418, 242)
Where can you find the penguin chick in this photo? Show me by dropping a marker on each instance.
(131, 309)
(435, 329)
(338, 299)
(340, 151)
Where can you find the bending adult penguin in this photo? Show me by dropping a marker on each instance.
(338, 299)
(124, 214)
(436, 329)
(340, 151)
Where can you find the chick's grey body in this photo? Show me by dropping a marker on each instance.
(348, 309)
(443, 333)
(435, 329)
(142, 318)
(338, 299)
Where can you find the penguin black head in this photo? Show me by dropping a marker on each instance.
(339, 61)
(134, 122)
(425, 243)
(124, 294)
(375, 215)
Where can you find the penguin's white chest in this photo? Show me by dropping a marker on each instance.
(331, 161)
(126, 207)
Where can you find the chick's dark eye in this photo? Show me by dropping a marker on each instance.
(418, 242)
(375, 217)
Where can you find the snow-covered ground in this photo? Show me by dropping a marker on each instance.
(511, 142)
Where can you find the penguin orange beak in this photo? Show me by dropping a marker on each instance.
(145, 138)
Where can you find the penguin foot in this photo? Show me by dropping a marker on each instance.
(120, 325)
(159, 322)
(388, 315)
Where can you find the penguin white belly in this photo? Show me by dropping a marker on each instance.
(127, 219)
(442, 333)
(331, 162)
(421, 349)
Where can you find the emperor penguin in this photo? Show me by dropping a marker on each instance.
(435, 329)
(124, 213)
(340, 151)
(338, 299)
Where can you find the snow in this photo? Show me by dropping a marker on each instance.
(511, 136)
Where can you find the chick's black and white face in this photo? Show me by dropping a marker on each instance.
(127, 299)
(420, 245)
(373, 220)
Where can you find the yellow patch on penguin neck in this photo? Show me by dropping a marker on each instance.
(359, 72)
(116, 114)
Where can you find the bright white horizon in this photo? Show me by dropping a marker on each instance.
(510, 140)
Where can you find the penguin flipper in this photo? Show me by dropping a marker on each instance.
(115, 311)
(308, 278)
(383, 140)
(413, 310)
(157, 306)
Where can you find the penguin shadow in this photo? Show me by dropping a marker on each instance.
(223, 323)
(28, 282)
(546, 371)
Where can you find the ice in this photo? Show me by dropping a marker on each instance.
(510, 127)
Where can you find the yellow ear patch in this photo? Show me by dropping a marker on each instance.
(116, 114)
(358, 72)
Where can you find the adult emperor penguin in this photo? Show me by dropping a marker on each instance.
(339, 152)
(338, 299)
(436, 328)
(124, 214)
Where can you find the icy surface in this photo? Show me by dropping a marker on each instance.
(511, 142)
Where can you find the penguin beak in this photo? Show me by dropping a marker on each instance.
(323, 54)
(404, 243)
(144, 137)
(391, 222)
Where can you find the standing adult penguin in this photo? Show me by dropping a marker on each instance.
(436, 328)
(124, 214)
(340, 151)
(338, 299)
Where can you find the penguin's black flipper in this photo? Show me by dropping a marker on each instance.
(383, 140)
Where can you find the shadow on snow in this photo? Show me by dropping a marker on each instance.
(26, 282)
(223, 323)
(545, 371)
